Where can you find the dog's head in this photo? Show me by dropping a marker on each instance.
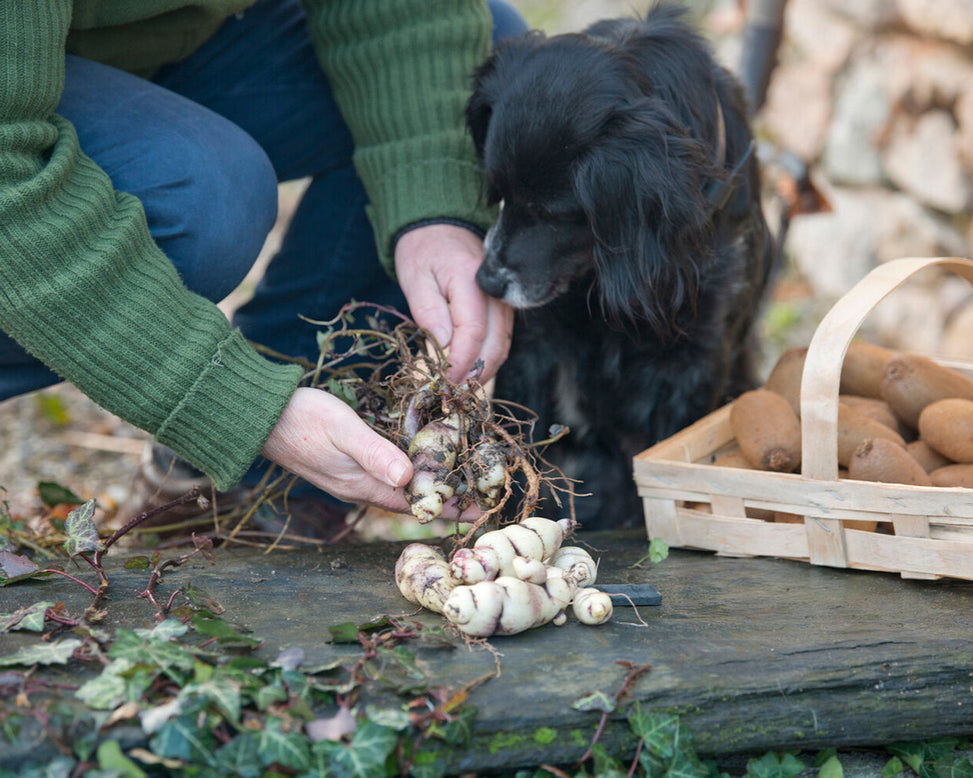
(595, 175)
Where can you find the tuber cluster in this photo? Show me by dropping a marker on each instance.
(902, 418)
(465, 447)
(511, 580)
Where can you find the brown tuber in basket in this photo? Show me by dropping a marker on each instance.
(690, 503)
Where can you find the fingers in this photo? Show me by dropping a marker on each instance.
(436, 266)
(322, 440)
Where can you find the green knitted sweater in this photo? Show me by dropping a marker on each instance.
(85, 289)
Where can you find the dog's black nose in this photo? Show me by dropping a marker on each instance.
(493, 283)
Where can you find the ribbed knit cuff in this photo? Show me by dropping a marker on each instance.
(441, 186)
(222, 424)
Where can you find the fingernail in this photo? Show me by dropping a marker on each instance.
(396, 473)
(442, 335)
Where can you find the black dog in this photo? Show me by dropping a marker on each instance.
(630, 235)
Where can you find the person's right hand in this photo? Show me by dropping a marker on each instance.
(321, 439)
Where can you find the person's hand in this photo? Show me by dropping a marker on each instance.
(321, 439)
(436, 267)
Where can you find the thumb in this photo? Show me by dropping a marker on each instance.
(381, 459)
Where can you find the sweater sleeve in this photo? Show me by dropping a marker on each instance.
(86, 290)
(401, 72)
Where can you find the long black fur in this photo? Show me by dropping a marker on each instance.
(637, 296)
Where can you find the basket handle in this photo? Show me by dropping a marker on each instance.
(826, 353)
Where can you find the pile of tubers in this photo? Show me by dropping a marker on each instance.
(902, 418)
(511, 580)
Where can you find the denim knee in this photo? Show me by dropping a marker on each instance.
(211, 205)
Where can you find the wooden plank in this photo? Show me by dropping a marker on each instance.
(737, 536)
(857, 499)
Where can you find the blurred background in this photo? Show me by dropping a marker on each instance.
(874, 97)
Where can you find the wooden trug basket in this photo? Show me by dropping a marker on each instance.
(692, 504)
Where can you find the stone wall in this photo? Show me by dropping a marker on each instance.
(878, 96)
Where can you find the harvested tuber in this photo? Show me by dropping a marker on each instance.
(953, 475)
(433, 454)
(912, 382)
(947, 426)
(876, 409)
(882, 460)
(493, 552)
(575, 557)
(926, 455)
(767, 430)
(786, 375)
(855, 427)
(591, 606)
(422, 575)
(508, 605)
(863, 369)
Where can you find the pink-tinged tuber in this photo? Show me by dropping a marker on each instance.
(591, 606)
(567, 557)
(493, 552)
(422, 575)
(508, 605)
(433, 454)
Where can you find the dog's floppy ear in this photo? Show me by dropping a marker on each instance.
(480, 105)
(492, 79)
(642, 189)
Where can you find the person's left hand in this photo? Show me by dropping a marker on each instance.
(436, 267)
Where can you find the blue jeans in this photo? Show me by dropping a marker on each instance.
(203, 146)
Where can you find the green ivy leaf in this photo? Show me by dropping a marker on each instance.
(658, 550)
(912, 753)
(459, 731)
(58, 653)
(343, 392)
(658, 730)
(143, 647)
(182, 738)
(773, 765)
(606, 766)
(214, 627)
(110, 757)
(81, 529)
(831, 768)
(892, 767)
(365, 756)
(30, 617)
(52, 494)
(108, 689)
(267, 695)
(239, 757)
(222, 692)
(138, 563)
(596, 700)
(344, 633)
(289, 749)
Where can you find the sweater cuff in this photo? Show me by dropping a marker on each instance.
(227, 415)
(446, 188)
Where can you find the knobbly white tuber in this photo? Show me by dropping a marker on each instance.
(493, 552)
(567, 557)
(531, 570)
(508, 605)
(422, 575)
(488, 465)
(433, 454)
(591, 606)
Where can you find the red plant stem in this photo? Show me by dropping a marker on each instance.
(190, 496)
(89, 587)
(635, 760)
